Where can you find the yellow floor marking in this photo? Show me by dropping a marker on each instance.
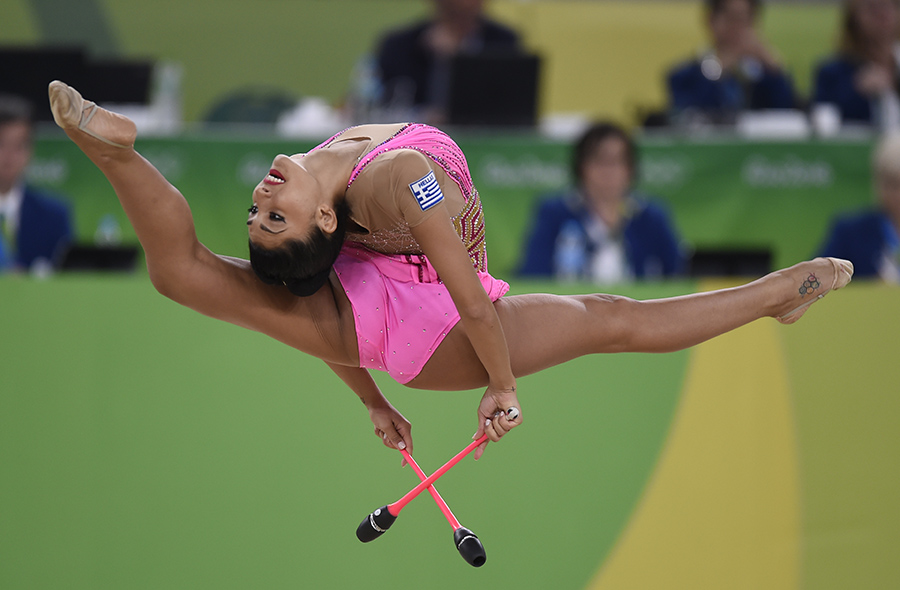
(722, 508)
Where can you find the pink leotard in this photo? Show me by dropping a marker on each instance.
(403, 310)
(393, 235)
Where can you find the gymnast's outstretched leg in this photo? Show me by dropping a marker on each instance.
(182, 268)
(156, 209)
(546, 330)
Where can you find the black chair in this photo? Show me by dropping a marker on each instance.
(730, 262)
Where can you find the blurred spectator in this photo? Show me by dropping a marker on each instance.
(5, 262)
(34, 228)
(871, 239)
(739, 72)
(600, 230)
(863, 79)
(413, 62)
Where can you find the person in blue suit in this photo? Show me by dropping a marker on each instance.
(5, 262)
(740, 72)
(601, 230)
(34, 228)
(863, 78)
(871, 239)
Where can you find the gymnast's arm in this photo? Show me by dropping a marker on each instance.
(384, 416)
(432, 228)
(184, 270)
(446, 252)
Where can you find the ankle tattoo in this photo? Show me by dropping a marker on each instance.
(811, 284)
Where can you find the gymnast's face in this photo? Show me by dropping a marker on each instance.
(287, 203)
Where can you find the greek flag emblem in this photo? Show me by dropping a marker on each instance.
(427, 191)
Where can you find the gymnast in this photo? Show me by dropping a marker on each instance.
(368, 253)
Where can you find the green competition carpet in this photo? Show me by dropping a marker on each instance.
(146, 446)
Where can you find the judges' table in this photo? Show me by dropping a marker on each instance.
(722, 193)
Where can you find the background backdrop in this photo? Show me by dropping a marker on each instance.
(601, 57)
(722, 193)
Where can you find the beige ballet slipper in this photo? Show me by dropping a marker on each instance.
(843, 272)
(71, 111)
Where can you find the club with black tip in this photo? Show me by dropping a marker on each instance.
(465, 541)
(379, 521)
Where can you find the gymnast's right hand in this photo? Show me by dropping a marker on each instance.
(391, 427)
(498, 413)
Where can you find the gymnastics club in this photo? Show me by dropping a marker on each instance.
(379, 521)
(465, 541)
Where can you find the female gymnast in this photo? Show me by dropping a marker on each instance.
(392, 312)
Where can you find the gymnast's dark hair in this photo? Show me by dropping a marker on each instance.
(302, 266)
(593, 137)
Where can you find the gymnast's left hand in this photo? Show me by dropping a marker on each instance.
(391, 427)
(494, 416)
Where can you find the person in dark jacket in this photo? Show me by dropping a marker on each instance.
(601, 230)
(871, 239)
(863, 78)
(35, 228)
(739, 72)
(413, 62)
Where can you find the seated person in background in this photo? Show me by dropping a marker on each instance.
(871, 239)
(739, 72)
(5, 262)
(34, 228)
(862, 80)
(413, 62)
(601, 230)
